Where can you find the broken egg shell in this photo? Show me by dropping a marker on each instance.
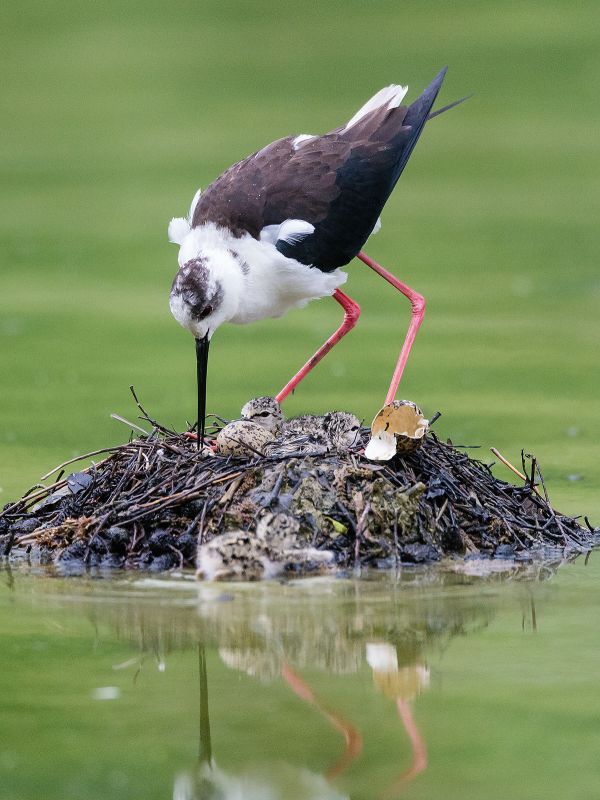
(381, 447)
(242, 439)
(399, 427)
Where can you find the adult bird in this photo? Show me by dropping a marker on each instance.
(272, 232)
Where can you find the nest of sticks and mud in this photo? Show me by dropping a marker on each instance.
(297, 501)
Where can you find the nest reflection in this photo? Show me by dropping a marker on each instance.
(386, 631)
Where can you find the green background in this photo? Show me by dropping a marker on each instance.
(114, 113)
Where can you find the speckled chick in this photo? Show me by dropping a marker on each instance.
(243, 439)
(266, 412)
(342, 429)
(243, 555)
(306, 424)
(337, 430)
(298, 444)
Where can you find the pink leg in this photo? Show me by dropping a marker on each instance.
(353, 739)
(419, 750)
(351, 315)
(418, 312)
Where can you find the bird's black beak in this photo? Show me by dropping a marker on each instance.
(202, 346)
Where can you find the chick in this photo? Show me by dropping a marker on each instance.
(308, 434)
(298, 444)
(337, 430)
(266, 412)
(342, 428)
(243, 555)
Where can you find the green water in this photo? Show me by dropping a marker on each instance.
(423, 685)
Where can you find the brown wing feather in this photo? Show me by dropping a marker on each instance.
(338, 182)
(270, 186)
(279, 182)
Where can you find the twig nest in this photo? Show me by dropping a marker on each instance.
(399, 427)
(243, 439)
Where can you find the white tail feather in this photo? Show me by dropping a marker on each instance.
(390, 96)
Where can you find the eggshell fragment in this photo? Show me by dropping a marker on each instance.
(399, 427)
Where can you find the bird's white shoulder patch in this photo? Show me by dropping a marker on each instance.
(304, 137)
(179, 227)
(291, 231)
(390, 96)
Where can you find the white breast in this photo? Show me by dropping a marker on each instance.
(275, 284)
(266, 282)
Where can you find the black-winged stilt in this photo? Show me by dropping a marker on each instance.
(271, 233)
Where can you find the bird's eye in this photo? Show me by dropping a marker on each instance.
(262, 414)
(206, 311)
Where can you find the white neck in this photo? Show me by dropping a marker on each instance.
(257, 280)
(225, 279)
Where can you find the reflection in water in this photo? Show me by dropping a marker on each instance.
(205, 746)
(271, 633)
(270, 783)
(352, 738)
(379, 636)
(401, 684)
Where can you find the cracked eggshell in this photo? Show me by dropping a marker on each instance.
(381, 447)
(399, 427)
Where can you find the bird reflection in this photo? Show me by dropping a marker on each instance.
(279, 634)
(402, 685)
(353, 739)
(210, 782)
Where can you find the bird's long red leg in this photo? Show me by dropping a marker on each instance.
(418, 312)
(351, 315)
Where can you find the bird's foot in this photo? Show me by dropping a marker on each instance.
(209, 447)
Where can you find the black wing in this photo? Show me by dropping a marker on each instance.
(339, 183)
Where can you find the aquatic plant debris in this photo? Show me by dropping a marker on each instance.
(159, 503)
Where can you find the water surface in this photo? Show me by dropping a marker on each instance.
(426, 684)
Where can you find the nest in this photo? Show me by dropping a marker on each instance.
(159, 503)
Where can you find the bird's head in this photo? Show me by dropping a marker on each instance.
(266, 412)
(205, 293)
(203, 296)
